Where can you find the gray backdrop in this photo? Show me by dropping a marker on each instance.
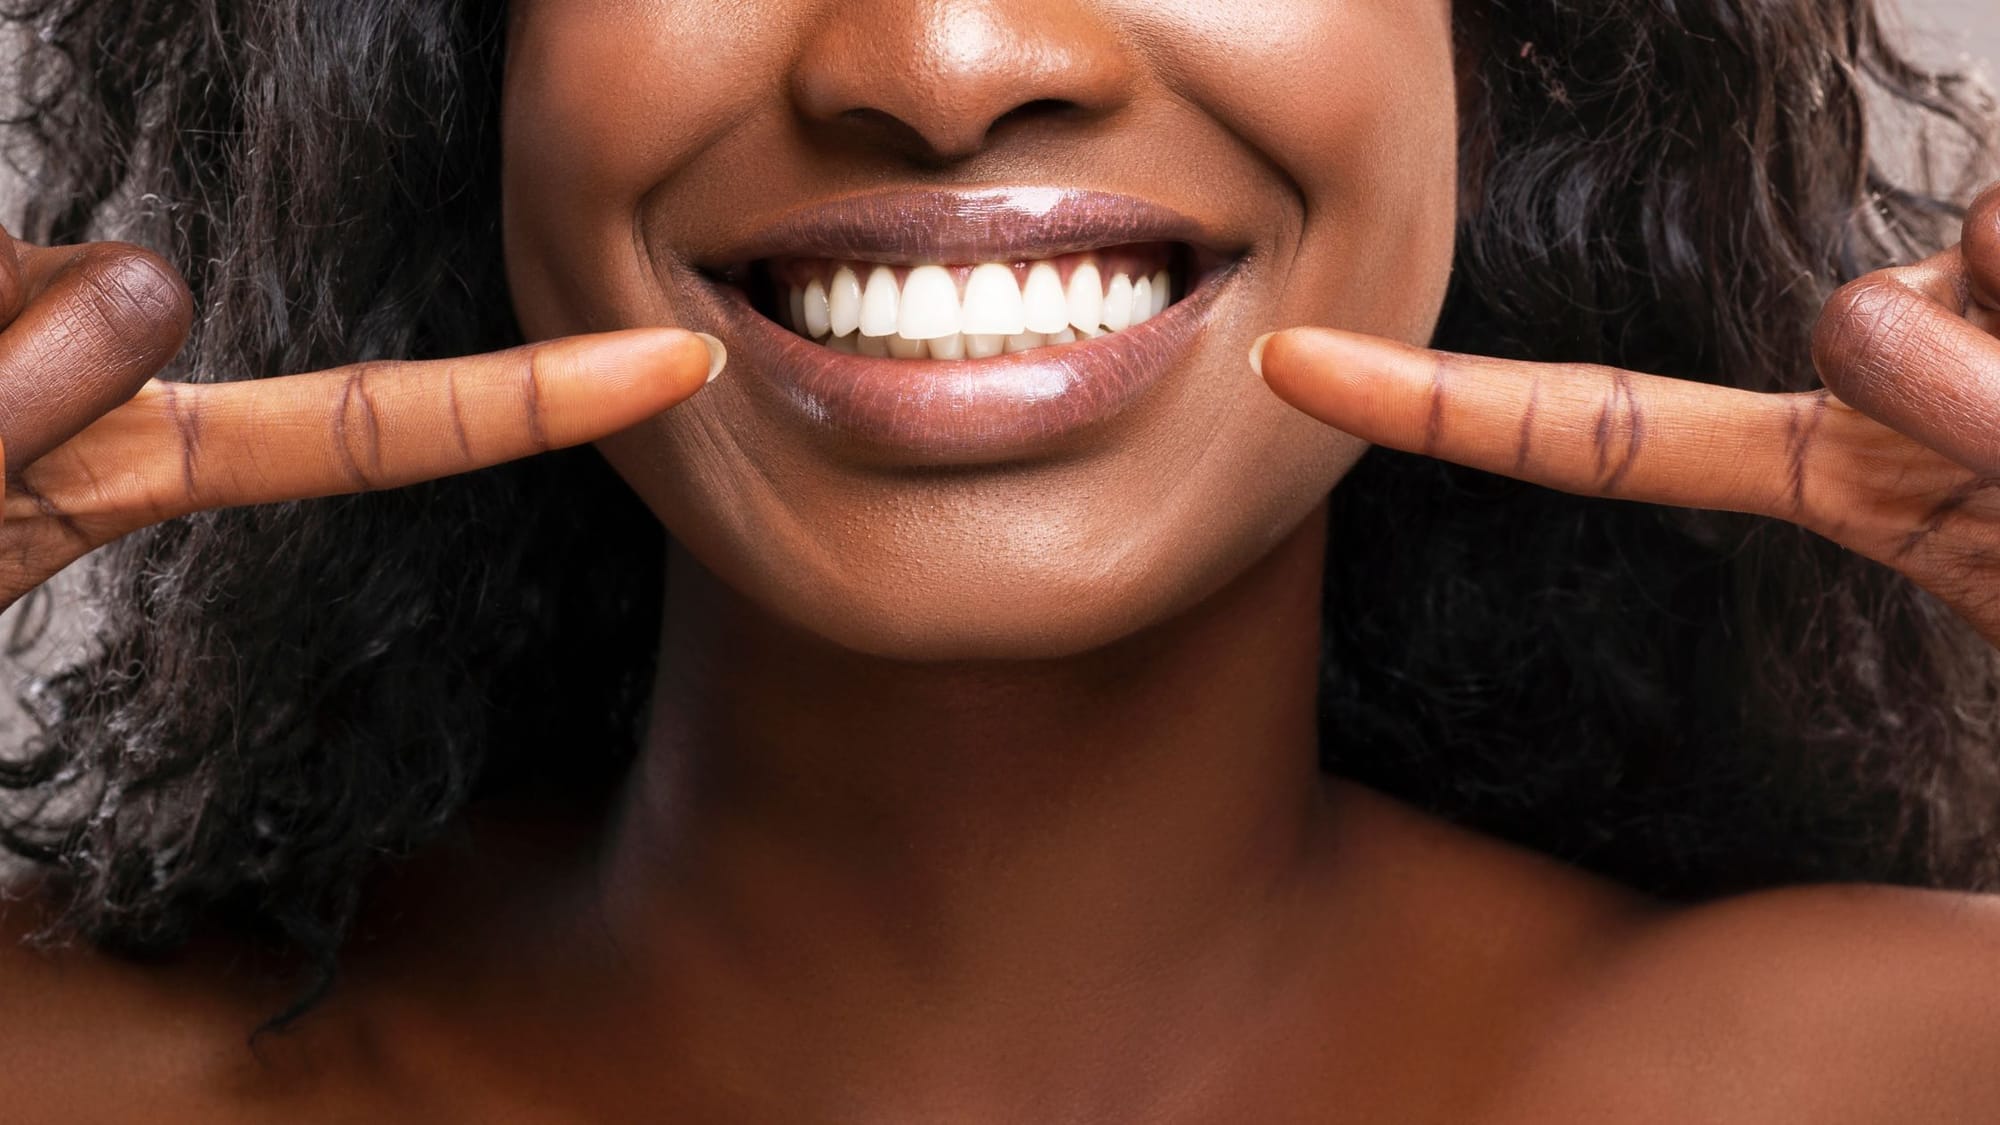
(1974, 25)
(1951, 31)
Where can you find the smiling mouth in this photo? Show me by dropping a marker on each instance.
(970, 311)
(964, 327)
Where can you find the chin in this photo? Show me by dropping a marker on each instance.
(995, 615)
(1000, 586)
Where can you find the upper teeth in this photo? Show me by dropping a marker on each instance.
(1000, 308)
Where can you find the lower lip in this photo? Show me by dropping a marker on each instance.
(966, 411)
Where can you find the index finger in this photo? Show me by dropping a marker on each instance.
(178, 448)
(1595, 431)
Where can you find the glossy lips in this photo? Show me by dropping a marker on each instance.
(957, 411)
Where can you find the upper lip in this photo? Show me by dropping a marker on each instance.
(914, 227)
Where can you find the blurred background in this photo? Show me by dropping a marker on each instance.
(1968, 26)
(1957, 34)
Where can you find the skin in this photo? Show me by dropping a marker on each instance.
(993, 795)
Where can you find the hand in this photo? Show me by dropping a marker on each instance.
(1898, 459)
(96, 448)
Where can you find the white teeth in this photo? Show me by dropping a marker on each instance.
(844, 303)
(925, 317)
(1086, 298)
(1118, 303)
(1043, 300)
(993, 302)
(983, 346)
(879, 303)
(818, 319)
(930, 305)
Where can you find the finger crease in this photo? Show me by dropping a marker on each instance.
(189, 424)
(49, 510)
(1798, 439)
(1434, 422)
(533, 391)
(1526, 441)
(1954, 500)
(458, 419)
(1621, 401)
(352, 399)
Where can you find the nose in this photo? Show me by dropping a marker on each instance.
(935, 79)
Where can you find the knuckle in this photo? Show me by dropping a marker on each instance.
(1866, 300)
(1854, 341)
(143, 305)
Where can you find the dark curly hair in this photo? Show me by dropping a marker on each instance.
(280, 697)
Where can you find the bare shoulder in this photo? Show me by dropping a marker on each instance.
(1820, 1004)
(88, 1037)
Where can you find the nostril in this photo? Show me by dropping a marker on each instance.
(891, 131)
(897, 135)
(888, 130)
(1057, 108)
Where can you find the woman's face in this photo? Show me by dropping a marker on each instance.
(703, 163)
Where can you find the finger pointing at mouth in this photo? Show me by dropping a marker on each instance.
(1595, 431)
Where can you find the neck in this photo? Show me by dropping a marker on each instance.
(1014, 840)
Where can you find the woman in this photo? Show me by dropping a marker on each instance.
(966, 763)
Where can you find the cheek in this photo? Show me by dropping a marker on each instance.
(605, 103)
(1357, 105)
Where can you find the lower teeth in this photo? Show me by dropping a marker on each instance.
(952, 347)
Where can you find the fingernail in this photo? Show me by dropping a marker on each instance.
(1257, 353)
(717, 355)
